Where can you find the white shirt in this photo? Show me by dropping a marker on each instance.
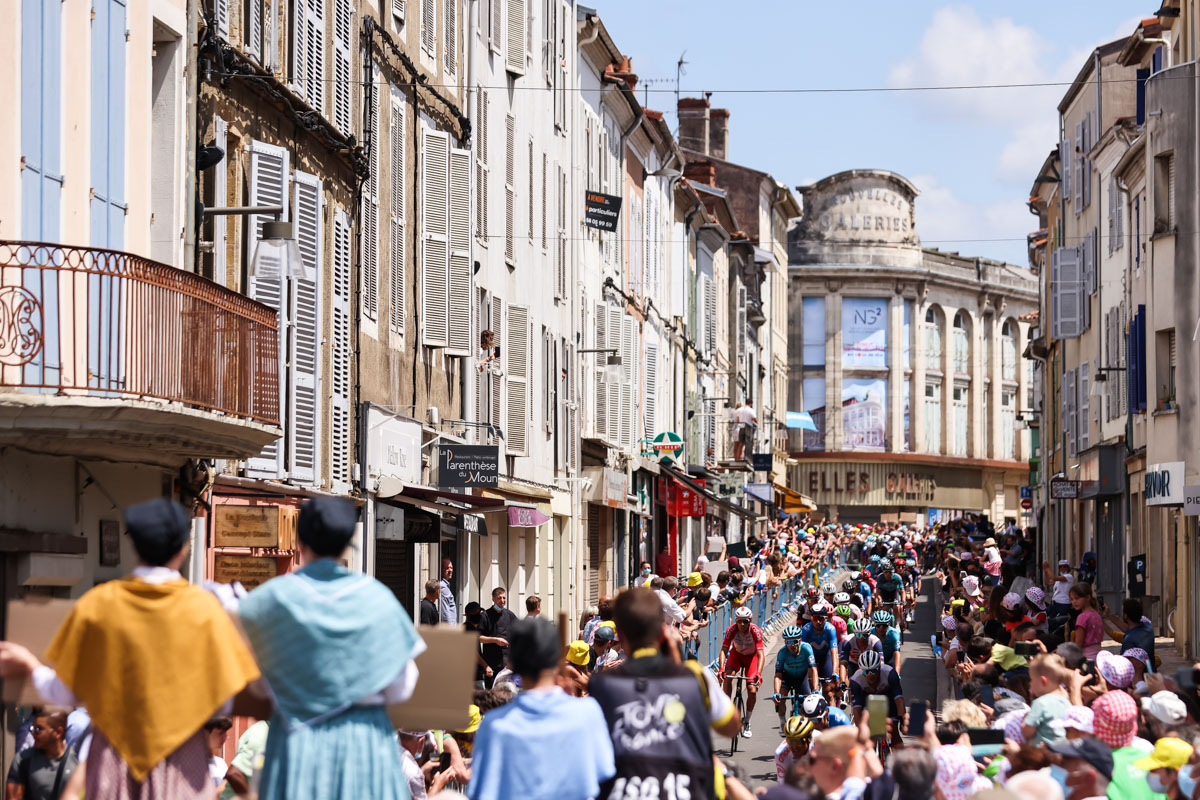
(745, 415)
(412, 775)
(1060, 592)
(217, 769)
(672, 608)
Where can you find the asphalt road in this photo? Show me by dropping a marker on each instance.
(918, 672)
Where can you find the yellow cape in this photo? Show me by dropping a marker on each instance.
(151, 663)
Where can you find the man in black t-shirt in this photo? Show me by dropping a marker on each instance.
(429, 609)
(494, 629)
(40, 772)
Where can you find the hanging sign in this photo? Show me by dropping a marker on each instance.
(525, 517)
(601, 211)
(667, 445)
(463, 465)
(1063, 489)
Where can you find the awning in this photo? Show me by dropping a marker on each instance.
(760, 492)
(447, 501)
(708, 495)
(792, 502)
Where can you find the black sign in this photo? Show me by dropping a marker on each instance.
(1063, 489)
(761, 462)
(464, 465)
(601, 211)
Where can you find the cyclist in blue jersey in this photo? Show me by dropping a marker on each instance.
(822, 637)
(875, 677)
(795, 670)
(889, 637)
(858, 641)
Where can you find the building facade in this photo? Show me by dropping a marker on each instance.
(907, 359)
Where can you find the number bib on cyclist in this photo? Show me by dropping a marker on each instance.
(658, 718)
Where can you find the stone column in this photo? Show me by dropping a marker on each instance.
(946, 323)
(833, 369)
(976, 426)
(895, 354)
(917, 409)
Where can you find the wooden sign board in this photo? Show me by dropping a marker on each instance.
(445, 681)
(32, 622)
(250, 571)
(255, 526)
(887, 518)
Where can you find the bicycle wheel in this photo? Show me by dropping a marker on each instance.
(740, 705)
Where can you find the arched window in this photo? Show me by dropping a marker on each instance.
(933, 340)
(1008, 352)
(962, 345)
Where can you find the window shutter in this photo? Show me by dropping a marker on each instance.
(1112, 213)
(435, 155)
(370, 210)
(510, 179)
(398, 9)
(220, 176)
(1120, 219)
(1087, 162)
(429, 27)
(740, 334)
(1089, 264)
(600, 417)
(267, 187)
(1065, 161)
(222, 14)
(305, 314)
(343, 25)
(572, 406)
(450, 36)
(1171, 191)
(651, 409)
(495, 376)
(517, 363)
(560, 262)
(481, 166)
(495, 12)
(313, 45)
(625, 411)
(1068, 292)
(108, 124)
(254, 29)
(514, 60)
(532, 163)
(710, 314)
(1085, 404)
(545, 197)
(340, 457)
(458, 311)
(1077, 160)
(1055, 296)
(41, 119)
(550, 380)
(398, 274)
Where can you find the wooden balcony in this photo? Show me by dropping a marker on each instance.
(105, 353)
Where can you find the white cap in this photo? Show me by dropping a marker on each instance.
(1166, 707)
(971, 586)
(1062, 562)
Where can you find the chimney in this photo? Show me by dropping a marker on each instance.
(718, 133)
(693, 123)
(701, 172)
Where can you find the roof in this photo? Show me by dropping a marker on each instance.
(1081, 78)
(895, 177)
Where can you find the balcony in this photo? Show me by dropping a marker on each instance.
(107, 354)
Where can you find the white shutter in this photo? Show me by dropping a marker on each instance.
(628, 364)
(450, 36)
(398, 9)
(561, 260)
(1068, 293)
(495, 377)
(514, 60)
(459, 309)
(340, 458)
(268, 187)
(343, 26)
(1112, 213)
(223, 19)
(1085, 405)
(510, 191)
(740, 356)
(313, 72)
(254, 29)
(429, 27)
(481, 166)
(398, 273)
(495, 13)
(370, 211)
(220, 174)
(1055, 294)
(650, 415)
(710, 314)
(435, 164)
(529, 186)
(1065, 160)
(1071, 419)
(615, 338)
(545, 196)
(304, 413)
(517, 363)
(1087, 162)
(600, 342)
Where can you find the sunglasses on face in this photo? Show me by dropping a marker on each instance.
(743, 622)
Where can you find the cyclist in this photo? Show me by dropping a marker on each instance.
(833, 689)
(875, 677)
(822, 637)
(828, 590)
(743, 648)
(857, 598)
(797, 733)
(841, 620)
(890, 587)
(812, 597)
(860, 640)
(889, 637)
(795, 670)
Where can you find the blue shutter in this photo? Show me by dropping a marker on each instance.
(41, 119)
(1142, 76)
(1141, 354)
(108, 124)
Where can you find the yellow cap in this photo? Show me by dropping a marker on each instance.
(473, 722)
(608, 624)
(1169, 753)
(694, 579)
(579, 653)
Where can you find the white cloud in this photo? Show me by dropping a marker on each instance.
(950, 222)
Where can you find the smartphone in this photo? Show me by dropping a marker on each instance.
(916, 718)
(1025, 649)
(985, 741)
(1188, 678)
(496, 351)
(960, 656)
(877, 706)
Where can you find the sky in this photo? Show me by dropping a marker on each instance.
(973, 154)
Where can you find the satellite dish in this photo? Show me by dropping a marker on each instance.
(389, 486)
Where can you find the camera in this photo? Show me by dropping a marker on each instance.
(1025, 649)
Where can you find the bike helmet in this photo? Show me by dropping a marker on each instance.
(844, 610)
(812, 591)
(855, 576)
(874, 558)
(798, 728)
(837, 718)
(821, 610)
(827, 588)
(849, 586)
(869, 661)
(743, 612)
(791, 632)
(861, 628)
(841, 598)
(814, 706)
(882, 618)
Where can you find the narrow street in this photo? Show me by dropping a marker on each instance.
(918, 671)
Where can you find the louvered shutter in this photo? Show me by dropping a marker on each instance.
(459, 303)
(740, 356)
(450, 36)
(532, 163)
(398, 273)
(600, 342)
(222, 11)
(545, 196)
(572, 406)
(1085, 405)
(339, 455)
(370, 210)
(1120, 218)
(1077, 160)
(550, 378)
(1087, 162)
(1069, 292)
(304, 413)
(254, 29)
(560, 257)
(429, 27)
(1087, 281)
(268, 187)
(1089, 263)
(1055, 296)
(343, 24)
(517, 366)
(495, 379)
(398, 9)
(435, 164)
(514, 57)
(650, 420)
(495, 13)
(1065, 161)
(314, 54)
(481, 166)
(628, 364)
(1071, 420)
(1123, 343)
(220, 176)
(510, 191)
(595, 554)
(1171, 198)
(615, 333)
(710, 313)
(1112, 213)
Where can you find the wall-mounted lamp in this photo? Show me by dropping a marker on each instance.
(613, 366)
(277, 253)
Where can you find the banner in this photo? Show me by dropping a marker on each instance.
(864, 332)
(523, 517)
(864, 414)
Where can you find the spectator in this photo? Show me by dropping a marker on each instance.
(1115, 716)
(1059, 585)
(665, 562)
(41, 771)
(429, 609)
(448, 610)
(666, 594)
(494, 628)
(533, 606)
(1088, 765)
(1043, 724)
(216, 732)
(1089, 627)
(604, 613)
(251, 747)
(1135, 629)
(1162, 766)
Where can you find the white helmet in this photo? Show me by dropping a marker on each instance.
(870, 661)
(743, 612)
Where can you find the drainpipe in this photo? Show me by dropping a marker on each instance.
(470, 375)
(592, 20)
(631, 98)
(190, 127)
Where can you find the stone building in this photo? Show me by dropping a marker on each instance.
(907, 358)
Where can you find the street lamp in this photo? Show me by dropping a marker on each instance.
(613, 366)
(277, 254)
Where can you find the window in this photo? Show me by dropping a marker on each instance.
(370, 212)
(398, 272)
(1165, 368)
(41, 119)
(814, 404)
(1008, 425)
(962, 345)
(813, 332)
(510, 188)
(108, 124)
(1008, 352)
(864, 333)
(864, 414)
(1164, 193)
(164, 156)
(933, 340)
(343, 25)
(481, 166)
(429, 27)
(933, 418)
(906, 336)
(961, 399)
(450, 36)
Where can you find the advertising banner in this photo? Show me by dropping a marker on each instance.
(864, 414)
(464, 465)
(864, 333)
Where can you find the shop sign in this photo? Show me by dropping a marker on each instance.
(601, 211)
(466, 465)
(255, 526)
(250, 571)
(616, 485)
(762, 492)
(393, 446)
(1164, 484)
(667, 446)
(471, 523)
(389, 523)
(1063, 489)
(761, 462)
(525, 517)
(681, 500)
(882, 484)
(1191, 501)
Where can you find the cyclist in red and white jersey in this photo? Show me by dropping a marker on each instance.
(743, 647)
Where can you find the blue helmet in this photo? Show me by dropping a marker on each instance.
(792, 632)
(837, 718)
